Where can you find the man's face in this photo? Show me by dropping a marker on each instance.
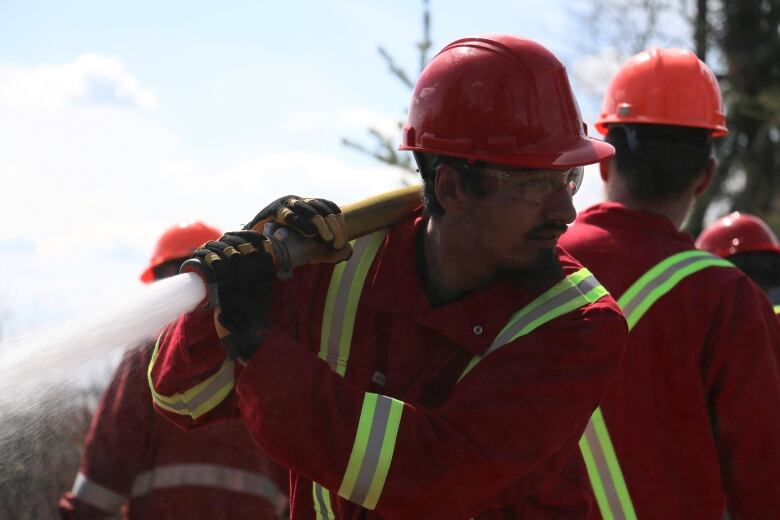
(518, 222)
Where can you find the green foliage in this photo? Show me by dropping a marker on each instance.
(745, 35)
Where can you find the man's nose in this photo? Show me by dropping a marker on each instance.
(559, 206)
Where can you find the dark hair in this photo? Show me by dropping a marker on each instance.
(659, 162)
(427, 164)
(762, 266)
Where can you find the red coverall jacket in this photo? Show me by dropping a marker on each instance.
(137, 461)
(694, 413)
(493, 445)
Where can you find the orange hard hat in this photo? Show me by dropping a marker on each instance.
(499, 99)
(664, 87)
(178, 242)
(738, 233)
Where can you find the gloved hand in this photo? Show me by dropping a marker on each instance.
(319, 219)
(241, 265)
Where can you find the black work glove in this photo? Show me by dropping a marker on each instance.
(318, 219)
(241, 265)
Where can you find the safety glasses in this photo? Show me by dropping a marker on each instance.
(536, 185)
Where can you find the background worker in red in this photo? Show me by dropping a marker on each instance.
(447, 369)
(694, 412)
(138, 465)
(750, 244)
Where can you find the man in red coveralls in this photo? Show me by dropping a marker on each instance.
(137, 464)
(691, 424)
(448, 368)
(749, 243)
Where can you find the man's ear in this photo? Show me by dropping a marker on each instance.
(449, 189)
(604, 169)
(704, 180)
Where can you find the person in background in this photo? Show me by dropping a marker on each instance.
(137, 465)
(690, 425)
(750, 244)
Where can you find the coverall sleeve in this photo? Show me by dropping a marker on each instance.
(740, 370)
(512, 413)
(114, 449)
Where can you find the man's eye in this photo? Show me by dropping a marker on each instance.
(532, 183)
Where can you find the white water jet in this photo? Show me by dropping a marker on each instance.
(56, 359)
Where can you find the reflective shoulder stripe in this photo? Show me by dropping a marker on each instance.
(344, 290)
(212, 476)
(201, 398)
(372, 451)
(603, 467)
(96, 495)
(574, 291)
(338, 321)
(322, 507)
(663, 278)
(604, 471)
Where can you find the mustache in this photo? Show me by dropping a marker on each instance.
(545, 229)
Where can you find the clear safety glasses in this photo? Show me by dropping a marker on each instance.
(536, 185)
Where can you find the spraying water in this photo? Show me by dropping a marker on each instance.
(59, 357)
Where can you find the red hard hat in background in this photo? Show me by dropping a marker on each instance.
(738, 233)
(664, 87)
(177, 242)
(499, 99)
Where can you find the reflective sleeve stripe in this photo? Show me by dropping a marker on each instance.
(661, 279)
(212, 476)
(777, 309)
(601, 460)
(372, 451)
(574, 291)
(201, 398)
(346, 285)
(338, 321)
(604, 471)
(322, 507)
(97, 495)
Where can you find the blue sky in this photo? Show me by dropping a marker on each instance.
(119, 119)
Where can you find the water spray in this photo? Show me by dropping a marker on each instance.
(54, 358)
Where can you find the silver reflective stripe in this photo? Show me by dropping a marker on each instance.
(507, 335)
(340, 305)
(370, 460)
(322, 506)
(659, 280)
(206, 475)
(96, 495)
(222, 378)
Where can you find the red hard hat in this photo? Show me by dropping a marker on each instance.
(664, 87)
(499, 99)
(177, 242)
(738, 233)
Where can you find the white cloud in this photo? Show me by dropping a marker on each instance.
(355, 118)
(90, 79)
(595, 71)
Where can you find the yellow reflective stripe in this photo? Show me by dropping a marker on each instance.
(574, 291)
(372, 451)
(597, 449)
(661, 279)
(346, 285)
(201, 398)
(338, 322)
(323, 509)
(604, 471)
(777, 309)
